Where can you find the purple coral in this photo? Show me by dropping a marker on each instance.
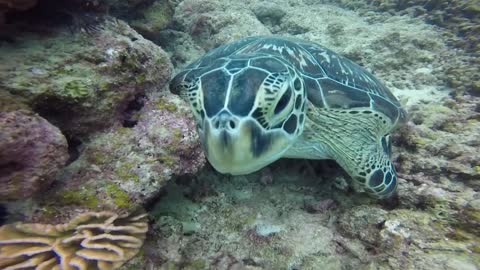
(31, 153)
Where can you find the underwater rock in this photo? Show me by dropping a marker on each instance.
(362, 222)
(152, 19)
(181, 46)
(213, 22)
(459, 21)
(445, 136)
(312, 206)
(123, 169)
(83, 82)
(93, 240)
(269, 13)
(419, 240)
(9, 102)
(32, 151)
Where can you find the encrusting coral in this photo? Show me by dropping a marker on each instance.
(93, 240)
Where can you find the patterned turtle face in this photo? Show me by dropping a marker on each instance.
(249, 110)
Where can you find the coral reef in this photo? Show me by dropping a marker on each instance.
(32, 151)
(93, 240)
(83, 83)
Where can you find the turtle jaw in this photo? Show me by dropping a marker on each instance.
(245, 149)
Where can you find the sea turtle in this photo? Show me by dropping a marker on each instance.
(259, 99)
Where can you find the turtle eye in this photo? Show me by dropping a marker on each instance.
(283, 101)
(282, 108)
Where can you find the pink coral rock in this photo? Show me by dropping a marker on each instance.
(31, 152)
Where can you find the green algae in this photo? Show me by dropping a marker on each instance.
(138, 262)
(170, 266)
(125, 172)
(197, 264)
(98, 157)
(76, 89)
(167, 160)
(420, 141)
(49, 211)
(118, 195)
(9, 102)
(442, 212)
(87, 77)
(176, 137)
(81, 197)
(156, 17)
(162, 104)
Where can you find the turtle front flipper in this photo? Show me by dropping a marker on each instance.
(375, 172)
(358, 140)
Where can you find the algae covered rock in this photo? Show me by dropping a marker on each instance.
(153, 18)
(212, 22)
(363, 222)
(445, 136)
(142, 159)
(123, 169)
(32, 151)
(83, 82)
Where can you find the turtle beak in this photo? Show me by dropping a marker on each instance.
(241, 146)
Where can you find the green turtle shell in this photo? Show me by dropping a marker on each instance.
(332, 81)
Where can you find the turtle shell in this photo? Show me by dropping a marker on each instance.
(332, 81)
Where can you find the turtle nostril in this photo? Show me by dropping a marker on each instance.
(225, 120)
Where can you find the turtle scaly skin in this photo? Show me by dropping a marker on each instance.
(263, 98)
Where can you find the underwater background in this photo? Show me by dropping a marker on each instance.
(101, 166)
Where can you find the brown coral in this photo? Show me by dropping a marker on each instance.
(94, 240)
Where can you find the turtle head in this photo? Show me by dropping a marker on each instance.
(249, 110)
